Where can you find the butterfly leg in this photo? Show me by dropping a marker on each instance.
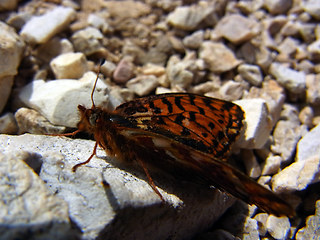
(74, 168)
(151, 182)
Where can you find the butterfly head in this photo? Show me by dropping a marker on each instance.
(89, 118)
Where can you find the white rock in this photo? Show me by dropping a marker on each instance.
(309, 145)
(278, 227)
(143, 85)
(258, 125)
(297, 176)
(69, 65)
(218, 57)
(104, 209)
(291, 79)
(58, 100)
(39, 29)
(28, 208)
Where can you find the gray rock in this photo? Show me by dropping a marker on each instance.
(28, 208)
(107, 202)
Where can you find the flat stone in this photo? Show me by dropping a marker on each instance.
(143, 85)
(189, 17)
(50, 98)
(102, 198)
(218, 57)
(291, 79)
(54, 21)
(69, 65)
(236, 28)
(28, 208)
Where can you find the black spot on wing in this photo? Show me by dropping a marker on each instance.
(155, 109)
(177, 101)
(169, 104)
(179, 118)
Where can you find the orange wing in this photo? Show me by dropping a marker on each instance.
(205, 124)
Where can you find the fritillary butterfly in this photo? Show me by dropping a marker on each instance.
(183, 134)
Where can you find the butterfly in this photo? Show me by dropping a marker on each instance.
(186, 135)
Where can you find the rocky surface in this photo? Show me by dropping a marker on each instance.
(263, 55)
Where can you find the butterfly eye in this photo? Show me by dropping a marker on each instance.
(93, 119)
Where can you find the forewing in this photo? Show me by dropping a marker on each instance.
(202, 123)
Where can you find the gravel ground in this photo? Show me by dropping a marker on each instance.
(263, 55)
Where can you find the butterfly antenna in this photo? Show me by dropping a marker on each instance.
(95, 82)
